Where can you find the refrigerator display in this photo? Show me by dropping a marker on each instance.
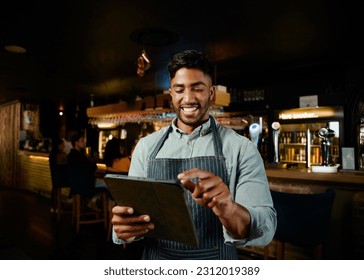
(300, 141)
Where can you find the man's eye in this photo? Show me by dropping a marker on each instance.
(178, 90)
(198, 89)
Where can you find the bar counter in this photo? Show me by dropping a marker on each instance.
(35, 174)
(348, 179)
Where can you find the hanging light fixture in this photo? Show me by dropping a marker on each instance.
(143, 63)
(151, 36)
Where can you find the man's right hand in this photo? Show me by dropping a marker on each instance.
(128, 226)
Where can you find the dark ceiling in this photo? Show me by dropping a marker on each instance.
(78, 48)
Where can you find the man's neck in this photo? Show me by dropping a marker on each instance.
(189, 129)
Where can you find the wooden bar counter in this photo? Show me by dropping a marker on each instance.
(347, 179)
(35, 174)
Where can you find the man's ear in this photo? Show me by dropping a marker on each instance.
(212, 93)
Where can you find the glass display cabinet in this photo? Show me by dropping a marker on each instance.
(299, 142)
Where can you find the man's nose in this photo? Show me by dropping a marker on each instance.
(189, 96)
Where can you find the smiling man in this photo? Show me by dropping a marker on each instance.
(222, 171)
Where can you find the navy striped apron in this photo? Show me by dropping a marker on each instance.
(209, 228)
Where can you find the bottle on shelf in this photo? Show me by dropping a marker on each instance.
(298, 137)
(289, 137)
(303, 137)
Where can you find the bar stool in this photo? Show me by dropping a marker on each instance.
(83, 188)
(358, 225)
(83, 215)
(59, 209)
(59, 183)
(302, 220)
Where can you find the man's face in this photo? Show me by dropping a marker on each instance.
(192, 92)
(80, 144)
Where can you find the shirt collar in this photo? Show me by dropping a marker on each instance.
(201, 130)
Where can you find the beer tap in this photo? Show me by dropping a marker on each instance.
(276, 129)
(325, 134)
(254, 131)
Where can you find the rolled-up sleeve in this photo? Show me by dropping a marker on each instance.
(249, 186)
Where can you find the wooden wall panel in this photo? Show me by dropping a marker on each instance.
(9, 142)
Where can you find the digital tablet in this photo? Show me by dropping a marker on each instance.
(163, 200)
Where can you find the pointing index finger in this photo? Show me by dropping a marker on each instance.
(193, 173)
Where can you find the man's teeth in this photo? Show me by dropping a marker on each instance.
(190, 109)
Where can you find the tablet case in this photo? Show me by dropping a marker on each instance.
(163, 200)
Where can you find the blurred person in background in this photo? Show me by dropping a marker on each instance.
(82, 172)
(116, 158)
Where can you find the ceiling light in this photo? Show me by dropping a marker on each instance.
(15, 49)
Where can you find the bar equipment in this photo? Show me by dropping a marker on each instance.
(254, 130)
(325, 134)
(326, 166)
(276, 162)
(276, 129)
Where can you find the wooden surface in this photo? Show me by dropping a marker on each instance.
(345, 179)
(9, 139)
(34, 172)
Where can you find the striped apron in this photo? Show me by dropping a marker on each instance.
(209, 228)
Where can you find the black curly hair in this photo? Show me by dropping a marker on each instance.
(190, 59)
